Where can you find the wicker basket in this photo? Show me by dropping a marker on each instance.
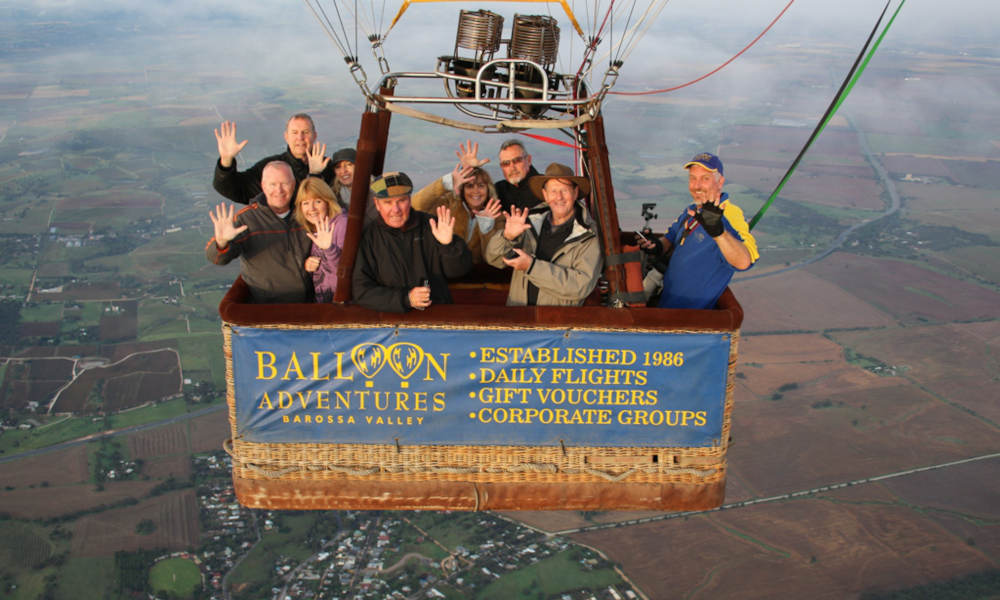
(479, 477)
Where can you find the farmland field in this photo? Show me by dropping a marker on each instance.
(834, 546)
(175, 515)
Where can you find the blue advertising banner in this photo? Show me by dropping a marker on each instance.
(479, 386)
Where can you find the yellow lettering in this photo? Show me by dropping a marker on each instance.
(293, 363)
(441, 371)
(263, 401)
(316, 376)
(269, 365)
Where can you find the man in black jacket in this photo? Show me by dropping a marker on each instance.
(515, 162)
(406, 257)
(303, 155)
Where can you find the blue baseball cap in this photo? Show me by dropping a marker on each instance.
(707, 160)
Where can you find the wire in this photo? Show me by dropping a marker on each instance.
(717, 69)
(845, 88)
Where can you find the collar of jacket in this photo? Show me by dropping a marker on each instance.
(292, 158)
(581, 227)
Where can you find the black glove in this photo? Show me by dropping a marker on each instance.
(710, 218)
(655, 250)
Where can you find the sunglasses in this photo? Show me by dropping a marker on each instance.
(514, 161)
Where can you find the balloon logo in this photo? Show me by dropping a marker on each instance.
(405, 358)
(368, 358)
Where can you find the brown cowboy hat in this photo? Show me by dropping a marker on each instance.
(558, 171)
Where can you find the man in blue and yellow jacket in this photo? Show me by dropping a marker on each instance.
(707, 243)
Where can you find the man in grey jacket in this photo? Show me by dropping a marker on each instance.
(271, 245)
(555, 254)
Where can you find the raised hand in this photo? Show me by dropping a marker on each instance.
(317, 158)
(491, 209)
(225, 138)
(710, 217)
(312, 263)
(225, 230)
(444, 226)
(516, 223)
(460, 176)
(323, 238)
(467, 154)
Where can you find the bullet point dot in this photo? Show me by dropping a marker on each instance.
(472, 376)
(472, 355)
(472, 415)
(472, 395)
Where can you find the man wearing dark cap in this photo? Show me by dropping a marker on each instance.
(406, 257)
(303, 155)
(709, 241)
(555, 253)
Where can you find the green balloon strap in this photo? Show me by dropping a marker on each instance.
(842, 94)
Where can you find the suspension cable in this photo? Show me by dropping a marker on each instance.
(715, 70)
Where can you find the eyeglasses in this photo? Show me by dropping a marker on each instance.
(514, 161)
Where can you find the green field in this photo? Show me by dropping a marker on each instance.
(83, 578)
(451, 530)
(148, 414)
(23, 549)
(158, 320)
(61, 430)
(256, 567)
(178, 576)
(548, 577)
(42, 312)
(201, 352)
(15, 279)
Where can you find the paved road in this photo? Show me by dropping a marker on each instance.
(893, 207)
(115, 432)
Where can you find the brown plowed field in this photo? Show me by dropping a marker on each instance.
(122, 325)
(38, 503)
(808, 548)
(178, 467)
(798, 300)
(835, 190)
(772, 140)
(900, 165)
(907, 291)
(58, 468)
(208, 432)
(949, 360)
(175, 515)
(162, 441)
(973, 210)
(39, 329)
(789, 444)
(125, 384)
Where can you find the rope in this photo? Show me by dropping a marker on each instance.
(717, 69)
(845, 88)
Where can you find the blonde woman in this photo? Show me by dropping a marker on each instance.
(317, 210)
